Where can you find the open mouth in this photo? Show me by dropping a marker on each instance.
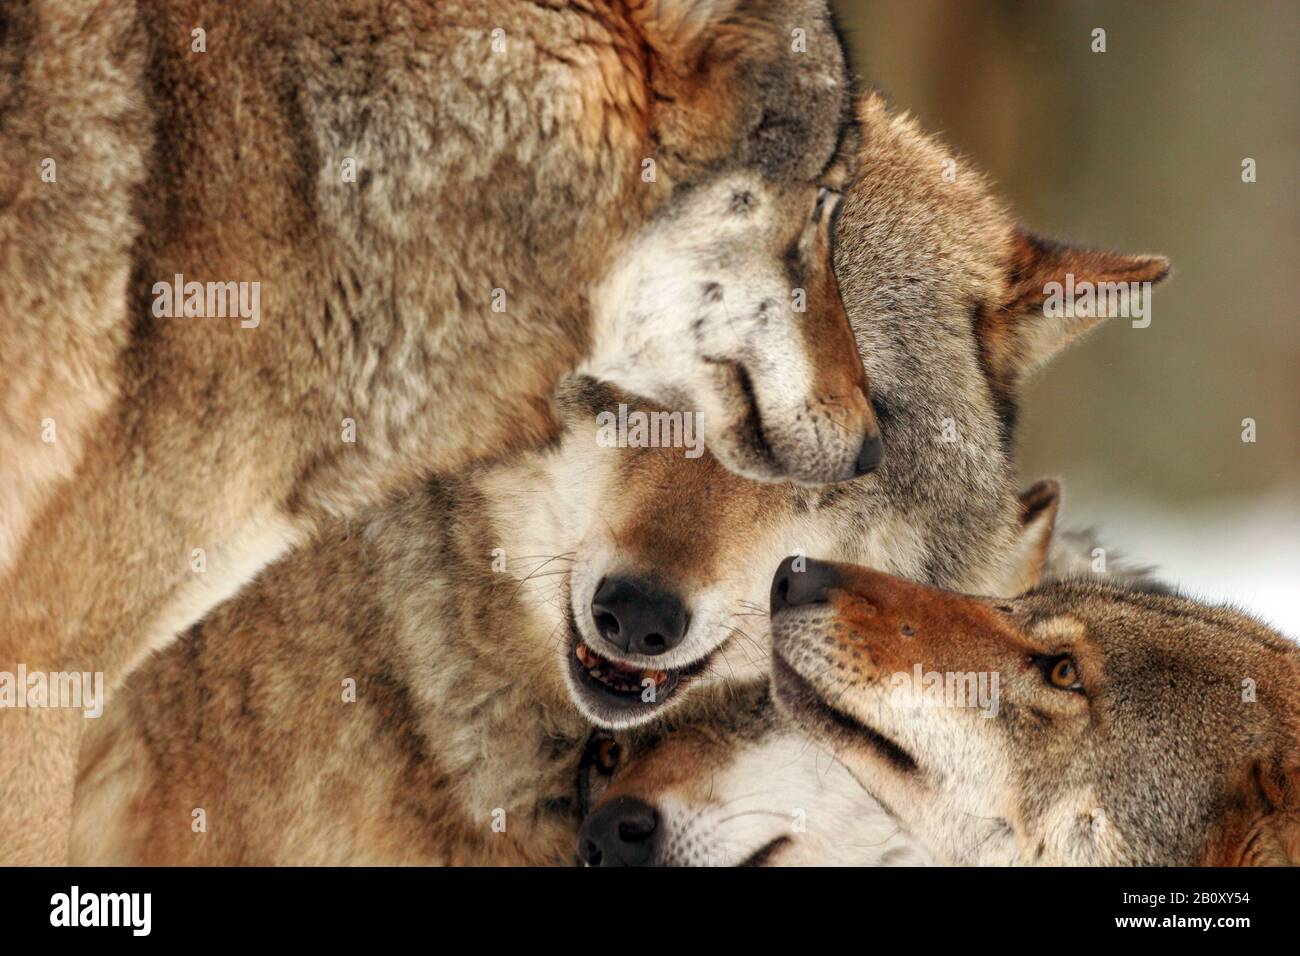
(617, 678)
(619, 688)
(808, 706)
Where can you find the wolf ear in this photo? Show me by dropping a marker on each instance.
(1018, 334)
(1038, 507)
(1260, 825)
(1282, 793)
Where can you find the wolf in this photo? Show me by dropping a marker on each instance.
(436, 211)
(1137, 727)
(474, 749)
(488, 621)
(395, 636)
(945, 294)
(734, 781)
(727, 780)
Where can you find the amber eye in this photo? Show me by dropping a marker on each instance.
(1063, 672)
(607, 755)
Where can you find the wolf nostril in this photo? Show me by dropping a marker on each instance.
(607, 625)
(638, 616)
(780, 590)
(870, 455)
(801, 581)
(638, 829)
(621, 833)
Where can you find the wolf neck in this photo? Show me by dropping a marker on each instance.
(480, 663)
(469, 744)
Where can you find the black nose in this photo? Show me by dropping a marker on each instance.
(621, 833)
(638, 617)
(870, 455)
(800, 581)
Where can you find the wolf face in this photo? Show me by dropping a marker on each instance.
(726, 303)
(729, 781)
(654, 566)
(645, 191)
(728, 308)
(1134, 727)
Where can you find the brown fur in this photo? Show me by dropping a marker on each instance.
(1008, 350)
(1155, 755)
(195, 433)
(245, 717)
(490, 645)
(64, 245)
(729, 780)
(1001, 268)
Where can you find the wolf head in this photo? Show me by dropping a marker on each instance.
(724, 304)
(1130, 727)
(652, 562)
(729, 780)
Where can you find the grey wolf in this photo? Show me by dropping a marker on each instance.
(443, 208)
(727, 780)
(1137, 727)
(732, 780)
(490, 618)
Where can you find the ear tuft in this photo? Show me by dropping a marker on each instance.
(1037, 262)
(1039, 504)
(1018, 334)
(1037, 499)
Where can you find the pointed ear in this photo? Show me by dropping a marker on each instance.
(1259, 823)
(1036, 262)
(1038, 507)
(1027, 327)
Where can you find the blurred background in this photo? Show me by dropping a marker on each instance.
(1140, 149)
